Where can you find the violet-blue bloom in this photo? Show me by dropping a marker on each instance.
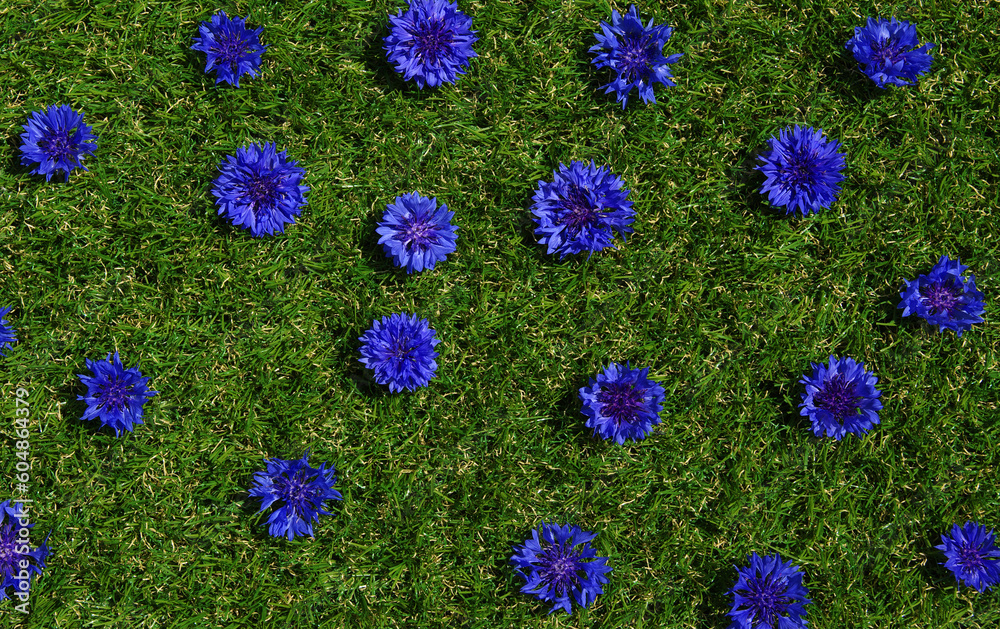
(887, 51)
(581, 209)
(431, 42)
(622, 403)
(115, 395)
(972, 555)
(8, 335)
(300, 491)
(840, 398)
(231, 49)
(416, 232)
(801, 170)
(768, 594)
(17, 558)
(943, 297)
(558, 565)
(634, 53)
(260, 189)
(399, 349)
(56, 140)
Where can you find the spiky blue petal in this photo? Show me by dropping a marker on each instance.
(56, 140)
(399, 349)
(17, 558)
(8, 335)
(431, 42)
(801, 170)
(260, 189)
(115, 395)
(299, 491)
(231, 49)
(840, 398)
(622, 403)
(972, 555)
(943, 297)
(416, 232)
(889, 52)
(768, 594)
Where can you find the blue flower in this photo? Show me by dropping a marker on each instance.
(802, 170)
(840, 398)
(17, 559)
(431, 42)
(581, 209)
(301, 491)
(232, 50)
(768, 594)
(400, 350)
(259, 189)
(416, 232)
(115, 395)
(56, 140)
(973, 556)
(886, 50)
(558, 562)
(635, 55)
(622, 403)
(8, 335)
(943, 297)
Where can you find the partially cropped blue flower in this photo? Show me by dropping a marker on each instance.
(768, 594)
(56, 140)
(232, 49)
(399, 349)
(299, 492)
(559, 566)
(8, 335)
(972, 555)
(622, 403)
(888, 51)
(943, 297)
(260, 189)
(634, 53)
(801, 170)
(840, 398)
(19, 562)
(581, 209)
(431, 42)
(416, 232)
(115, 395)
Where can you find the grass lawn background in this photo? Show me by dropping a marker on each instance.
(252, 343)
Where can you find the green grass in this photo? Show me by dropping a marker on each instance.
(252, 342)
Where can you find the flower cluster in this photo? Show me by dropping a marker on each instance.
(416, 232)
(8, 335)
(232, 49)
(887, 51)
(19, 564)
(943, 297)
(400, 350)
(622, 403)
(634, 54)
(300, 491)
(581, 209)
(559, 566)
(115, 395)
(973, 556)
(801, 170)
(768, 594)
(840, 398)
(56, 140)
(431, 42)
(260, 189)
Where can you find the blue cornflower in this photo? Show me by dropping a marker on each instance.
(622, 403)
(635, 55)
(400, 350)
(802, 170)
(581, 209)
(232, 49)
(17, 559)
(973, 556)
(886, 50)
(8, 335)
(259, 189)
(56, 140)
(768, 594)
(416, 232)
(840, 398)
(115, 395)
(431, 42)
(943, 297)
(558, 562)
(301, 490)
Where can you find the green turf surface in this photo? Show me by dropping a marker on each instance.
(252, 342)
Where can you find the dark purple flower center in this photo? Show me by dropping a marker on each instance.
(633, 57)
(886, 51)
(231, 48)
(295, 491)
(57, 145)
(579, 211)
(417, 234)
(114, 394)
(970, 559)
(559, 567)
(941, 297)
(432, 39)
(838, 396)
(799, 171)
(767, 599)
(8, 556)
(621, 401)
(263, 191)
